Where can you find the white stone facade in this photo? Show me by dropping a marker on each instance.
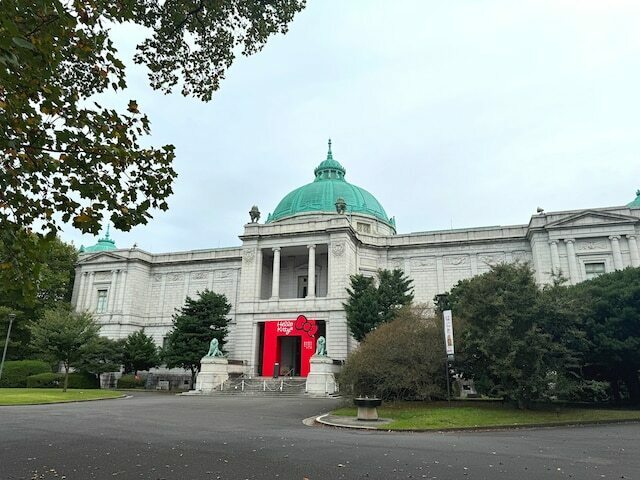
(266, 278)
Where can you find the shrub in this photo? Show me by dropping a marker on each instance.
(130, 381)
(55, 380)
(15, 373)
(400, 360)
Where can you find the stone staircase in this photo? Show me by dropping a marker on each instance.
(264, 387)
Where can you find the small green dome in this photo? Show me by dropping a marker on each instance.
(636, 202)
(103, 244)
(321, 195)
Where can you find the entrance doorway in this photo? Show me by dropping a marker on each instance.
(290, 355)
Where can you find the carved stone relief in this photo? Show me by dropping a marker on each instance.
(175, 277)
(491, 258)
(338, 249)
(592, 245)
(223, 274)
(102, 277)
(200, 275)
(456, 260)
(423, 262)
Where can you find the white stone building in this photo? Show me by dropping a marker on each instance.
(299, 262)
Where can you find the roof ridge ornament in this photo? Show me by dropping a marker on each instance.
(330, 168)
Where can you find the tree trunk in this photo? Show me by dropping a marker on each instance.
(633, 385)
(66, 377)
(193, 377)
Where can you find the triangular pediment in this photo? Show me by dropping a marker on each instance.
(100, 257)
(592, 218)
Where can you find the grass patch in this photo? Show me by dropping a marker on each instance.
(28, 396)
(435, 416)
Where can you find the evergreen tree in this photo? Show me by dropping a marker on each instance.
(101, 355)
(139, 352)
(611, 323)
(60, 336)
(368, 306)
(510, 342)
(194, 326)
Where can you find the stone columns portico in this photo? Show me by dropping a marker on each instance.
(555, 257)
(633, 250)
(275, 282)
(617, 254)
(311, 273)
(571, 257)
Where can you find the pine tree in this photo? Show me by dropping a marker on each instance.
(369, 306)
(194, 326)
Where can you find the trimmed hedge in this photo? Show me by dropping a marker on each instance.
(56, 380)
(129, 381)
(15, 372)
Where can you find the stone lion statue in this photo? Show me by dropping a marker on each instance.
(321, 347)
(214, 349)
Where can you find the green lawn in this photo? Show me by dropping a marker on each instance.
(435, 416)
(26, 396)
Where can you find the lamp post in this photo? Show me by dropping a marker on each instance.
(12, 317)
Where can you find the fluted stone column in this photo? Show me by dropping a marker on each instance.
(121, 290)
(258, 292)
(574, 275)
(617, 254)
(633, 250)
(555, 257)
(275, 281)
(90, 293)
(82, 288)
(112, 292)
(311, 273)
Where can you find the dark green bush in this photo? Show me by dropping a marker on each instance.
(130, 381)
(15, 373)
(56, 380)
(400, 360)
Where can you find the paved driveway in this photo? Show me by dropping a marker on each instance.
(154, 436)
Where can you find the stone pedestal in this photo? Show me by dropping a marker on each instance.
(321, 380)
(214, 371)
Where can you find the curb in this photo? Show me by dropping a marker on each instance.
(496, 428)
(120, 397)
(320, 419)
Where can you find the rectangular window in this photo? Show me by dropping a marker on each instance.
(101, 307)
(594, 269)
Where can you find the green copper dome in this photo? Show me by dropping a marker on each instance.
(636, 202)
(103, 244)
(321, 195)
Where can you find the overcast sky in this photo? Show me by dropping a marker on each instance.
(452, 113)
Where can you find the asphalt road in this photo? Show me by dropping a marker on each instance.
(166, 437)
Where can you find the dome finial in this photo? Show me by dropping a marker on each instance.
(107, 234)
(329, 152)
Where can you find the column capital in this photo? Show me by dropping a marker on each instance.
(86, 274)
(553, 242)
(311, 245)
(92, 273)
(569, 240)
(614, 237)
(276, 249)
(632, 236)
